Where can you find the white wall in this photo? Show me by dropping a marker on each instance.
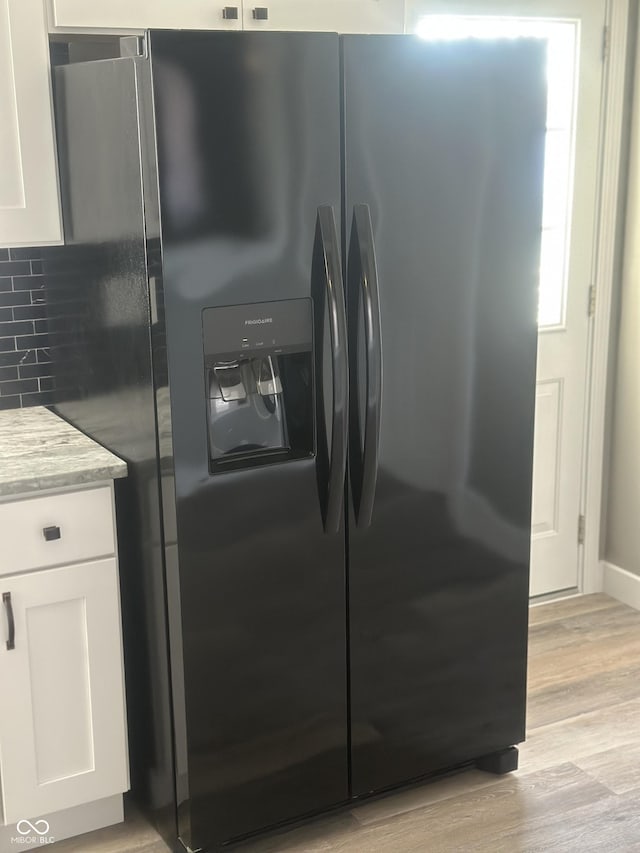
(622, 503)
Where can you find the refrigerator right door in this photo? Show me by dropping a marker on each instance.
(443, 160)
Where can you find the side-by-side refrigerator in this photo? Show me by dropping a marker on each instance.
(299, 297)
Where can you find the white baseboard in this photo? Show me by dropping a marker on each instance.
(60, 825)
(621, 584)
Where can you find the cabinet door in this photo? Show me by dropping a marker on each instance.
(140, 14)
(342, 16)
(62, 714)
(29, 205)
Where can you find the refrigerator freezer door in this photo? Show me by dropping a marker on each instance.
(444, 142)
(248, 129)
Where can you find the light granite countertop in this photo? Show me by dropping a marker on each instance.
(39, 450)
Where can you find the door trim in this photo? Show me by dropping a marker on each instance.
(604, 276)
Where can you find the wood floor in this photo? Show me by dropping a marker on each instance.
(578, 788)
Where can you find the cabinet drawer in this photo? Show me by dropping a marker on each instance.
(85, 524)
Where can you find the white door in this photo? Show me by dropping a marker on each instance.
(62, 713)
(343, 16)
(574, 30)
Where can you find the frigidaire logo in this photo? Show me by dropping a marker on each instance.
(259, 322)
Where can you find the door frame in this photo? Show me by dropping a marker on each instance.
(604, 275)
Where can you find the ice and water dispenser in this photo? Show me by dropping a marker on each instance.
(259, 383)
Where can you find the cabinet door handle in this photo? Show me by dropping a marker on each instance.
(51, 533)
(230, 13)
(6, 600)
(261, 13)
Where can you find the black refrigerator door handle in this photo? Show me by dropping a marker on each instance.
(363, 284)
(334, 293)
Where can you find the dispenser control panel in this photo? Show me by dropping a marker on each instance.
(278, 327)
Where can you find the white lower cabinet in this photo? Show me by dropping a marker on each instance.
(62, 708)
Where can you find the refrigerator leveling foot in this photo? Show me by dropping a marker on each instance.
(500, 762)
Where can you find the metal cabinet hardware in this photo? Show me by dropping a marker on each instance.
(11, 641)
(51, 533)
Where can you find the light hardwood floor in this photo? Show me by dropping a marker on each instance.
(578, 788)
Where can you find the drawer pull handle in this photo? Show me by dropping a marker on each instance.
(51, 533)
(6, 600)
(230, 13)
(260, 13)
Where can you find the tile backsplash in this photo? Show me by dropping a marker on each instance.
(25, 363)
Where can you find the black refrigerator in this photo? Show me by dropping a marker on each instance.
(299, 296)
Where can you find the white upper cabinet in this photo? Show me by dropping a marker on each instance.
(342, 16)
(346, 16)
(29, 206)
(140, 14)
